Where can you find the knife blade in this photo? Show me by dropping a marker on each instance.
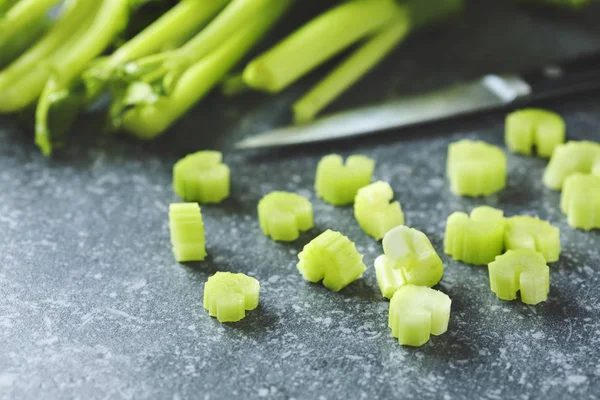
(487, 93)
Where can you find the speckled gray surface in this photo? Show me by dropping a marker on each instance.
(92, 304)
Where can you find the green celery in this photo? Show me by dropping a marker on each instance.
(233, 85)
(318, 41)
(283, 215)
(148, 118)
(22, 82)
(228, 296)
(175, 25)
(352, 69)
(110, 18)
(21, 17)
(521, 270)
(416, 312)
(580, 201)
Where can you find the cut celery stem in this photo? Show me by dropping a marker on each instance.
(316, 42)
(148, 121)
(21, 16)
(352, 69)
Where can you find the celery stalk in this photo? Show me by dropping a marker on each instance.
(175, 25)
(147, 120)
(110, 18)
(170, 69)
(352, 69)
(316, 42)
(23, 81)
(20, 17)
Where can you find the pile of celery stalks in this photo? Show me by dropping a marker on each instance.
(60, 56)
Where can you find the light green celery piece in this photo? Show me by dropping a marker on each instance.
(524, 232)
(227, 296)
(475, 168)
(416, 312)
(389, 278)
(149, 119)
(337, 183)
(284, 215)
(569, 158)
(333, 258)
(202, 177)
(318, 41)
(410, 251)
(353, 68)
(477, 239)
(187, 232)
(533, 127)
(373, 210)
(521, 270)
(580, 201)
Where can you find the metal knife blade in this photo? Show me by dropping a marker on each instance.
(489, 92)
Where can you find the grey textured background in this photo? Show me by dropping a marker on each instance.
(92, 304)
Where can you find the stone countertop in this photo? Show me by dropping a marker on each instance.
(93, 304)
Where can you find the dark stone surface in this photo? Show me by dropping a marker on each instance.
(94, 306)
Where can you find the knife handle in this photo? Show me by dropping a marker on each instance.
(567, 77)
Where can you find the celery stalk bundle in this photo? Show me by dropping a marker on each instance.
(59, 57)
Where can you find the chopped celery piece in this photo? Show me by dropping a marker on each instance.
(374, 212)
(569, 158)
(476, 168)
(187, 232)
(333, 258)
(580, 201)
(227, 296)
(476, 240)
(410, 251)
(201, 177)
(524, 232)
(522, 270)
(416, 312)
(283, 215)
(389, 278)
(316, 42)
(337, 183)
(534, 127)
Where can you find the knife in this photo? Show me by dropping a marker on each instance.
(489, 92)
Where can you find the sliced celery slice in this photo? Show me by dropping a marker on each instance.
(284, 215)
(374, 212)
(569, 158)
(410, 251)
(389, 278)
(187, 232)
(475, 168)
(524, 232)
(201, 177)
(475, 240)
(416, 312)
(580, 201)
(337, 183)
(534, 127)
(227, 296)
(522, 270)
(333, 258)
